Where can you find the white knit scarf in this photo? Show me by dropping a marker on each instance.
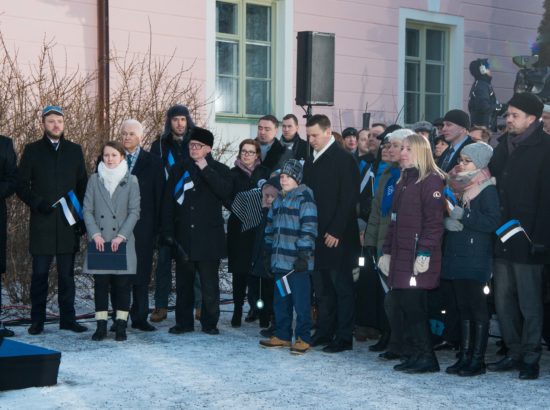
(111, 177)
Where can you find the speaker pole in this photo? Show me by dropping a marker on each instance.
(308, 114)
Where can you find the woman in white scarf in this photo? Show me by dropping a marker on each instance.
(111, 210)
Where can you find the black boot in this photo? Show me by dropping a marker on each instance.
(101, 331)
(382, 343)
(426, 361)
(466, 344)
(5, 332)
(237, 316)
(477, 364)
(406, 364)
(120, 330)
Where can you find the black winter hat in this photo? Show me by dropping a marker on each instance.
(389, 129)
(529, 103)
(177, 110)
(202, 135)
(274, 181)
(348, 132)
(458, 117)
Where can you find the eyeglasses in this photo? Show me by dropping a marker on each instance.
(196, 145)
(464, 161)
(248, 153)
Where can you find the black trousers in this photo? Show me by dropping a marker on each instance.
(335, 300)
(185, 296)
(411, 305)
(241, 281)
(369, 300)
(470, 300)
(443, 299)
(267, 286)
(140, 286)
(397, 325)
(120, 292)
(65, 283)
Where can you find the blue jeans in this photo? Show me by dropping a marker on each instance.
(300, 300)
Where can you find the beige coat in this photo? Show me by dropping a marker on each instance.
(111, 216)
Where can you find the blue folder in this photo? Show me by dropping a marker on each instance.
(107, 260)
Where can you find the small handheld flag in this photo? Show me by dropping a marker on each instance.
(509, 229)
(170, 160)
(450, 199)
(368, 175)
(283, 286)
(71, 208)
(183, 185)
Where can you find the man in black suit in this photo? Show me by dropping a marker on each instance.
(456, 124)
(273, 153)
(8, 183)
(291, 139)
(333, 175)
(49, 169)
(148, 170)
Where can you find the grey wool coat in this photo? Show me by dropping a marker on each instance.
(110, 216)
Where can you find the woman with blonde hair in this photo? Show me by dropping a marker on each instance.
(412, 249)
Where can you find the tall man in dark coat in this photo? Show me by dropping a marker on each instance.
(333, 175)
(291, 139)
(49, 169)
(8, 183)
(171, 147)
(456, 124)
(520, 165)
(273, 153)
(148, 170)
(482, 100)
(192, 221)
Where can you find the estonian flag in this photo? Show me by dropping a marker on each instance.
(71, 208)
(450, 199)
(183, 185)
(368, 175)
(283, 286)
(170, 160)
(509, 229)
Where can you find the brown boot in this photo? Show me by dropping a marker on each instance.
(158, 315)
(198, 312)
(274, 341)
(299, 347)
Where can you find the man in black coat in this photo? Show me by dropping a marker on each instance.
(482, 100)
(273, 153)
(148, 170)
(8, 183)
(520, 165)
(291, 139)
(333, 175)
(456, 124)
(192, 221)
(171, 147)
(49, 169)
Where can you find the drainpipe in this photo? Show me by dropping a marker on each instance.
(103, 68)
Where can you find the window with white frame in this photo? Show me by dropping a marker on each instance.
(244, 58)
(426, 72)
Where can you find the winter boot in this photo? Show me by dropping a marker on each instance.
(274, 341)
(237, 316)
(299, 347)
(426, 361)
(121, 320)
(158, 315)
(477, 363)
(101, 331)
(465, 354)
(5, 332)
(382, 343)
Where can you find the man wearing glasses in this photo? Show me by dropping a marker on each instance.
(192, 221)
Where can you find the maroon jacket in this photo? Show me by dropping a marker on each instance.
(416, 226)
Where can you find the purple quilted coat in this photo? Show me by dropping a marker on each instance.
(416, 226)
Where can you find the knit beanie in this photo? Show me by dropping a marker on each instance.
(204, 136)
(294, 169)
(348, 132)
(389, 129)
(399, 134)
(458, 117)
(422, 126)
(274, 181)
(529, 103)
(479, 152)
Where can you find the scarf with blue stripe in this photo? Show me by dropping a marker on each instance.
(389, 190)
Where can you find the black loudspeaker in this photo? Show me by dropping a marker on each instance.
(366, 120)
(315, 68)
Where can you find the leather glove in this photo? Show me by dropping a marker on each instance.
(384, 264)
(421, 264)
(457, 213)
(453, 225)
(166, 240)
(45, 208)
(300, 264)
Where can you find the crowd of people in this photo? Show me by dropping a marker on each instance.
(371, 234)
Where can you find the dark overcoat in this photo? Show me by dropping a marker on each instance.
(334, 180)
(46, 175)
(8, 183)
(240, 244)
(468, 254)
(523, 186)
(197, 225)
(456, 157)
(416, 226)
(149, 172)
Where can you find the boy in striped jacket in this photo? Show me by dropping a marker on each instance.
(290, 241)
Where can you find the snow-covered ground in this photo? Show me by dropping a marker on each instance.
(162, 371)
